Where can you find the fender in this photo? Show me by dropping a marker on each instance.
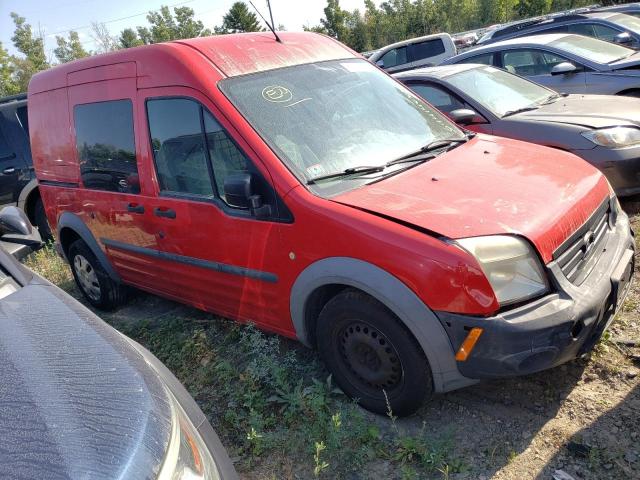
(396, 296)
(25, 192)
(75, 223)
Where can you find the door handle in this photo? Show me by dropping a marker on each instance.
(164, 212)
(9, 170)
(135, 208)
(8, 157)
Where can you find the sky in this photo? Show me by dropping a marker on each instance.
(56, 17)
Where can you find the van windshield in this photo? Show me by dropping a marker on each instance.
(327, 117)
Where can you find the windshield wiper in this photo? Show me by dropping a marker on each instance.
(420, 153)
(520, 110)
(348, 172)
(620, 58)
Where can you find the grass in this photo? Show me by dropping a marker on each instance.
(270, 401)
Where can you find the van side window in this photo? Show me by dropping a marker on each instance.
(106, 146)
(226, 158)
(179, 146)
(428, 49)
(5, 148)
(397, 56)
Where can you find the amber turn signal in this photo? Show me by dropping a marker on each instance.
(468, 344)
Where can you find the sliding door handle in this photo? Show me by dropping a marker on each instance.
(164, 212)
(135, 208)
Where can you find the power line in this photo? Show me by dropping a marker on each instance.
(117, 19)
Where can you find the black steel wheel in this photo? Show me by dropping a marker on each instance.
(372, 356)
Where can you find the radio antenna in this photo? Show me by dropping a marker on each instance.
(270, 25)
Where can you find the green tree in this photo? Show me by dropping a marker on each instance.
(8, 83)
(239, 19)
(32, 47)
(164, 26)
(129, 38)
(71, 49)
(335, 21)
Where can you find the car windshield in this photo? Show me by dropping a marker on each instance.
(627, 21)
(592, 49)
(328, 117)
(499, 91)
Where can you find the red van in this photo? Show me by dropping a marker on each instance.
(294, 185)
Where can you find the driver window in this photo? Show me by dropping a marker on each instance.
(605, 33)
(438, 97)
(529, 62)
(179, 146)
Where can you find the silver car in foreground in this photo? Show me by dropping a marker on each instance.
(602, 129)
(565, 62)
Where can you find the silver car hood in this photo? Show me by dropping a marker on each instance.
(579, 110)
(76, 400)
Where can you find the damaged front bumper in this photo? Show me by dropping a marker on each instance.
(555, 328)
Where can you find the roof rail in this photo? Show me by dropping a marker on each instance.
(13, 98)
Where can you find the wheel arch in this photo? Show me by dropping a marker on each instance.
(28, 197)
(71, 228)
(323, 279)
(632, 92)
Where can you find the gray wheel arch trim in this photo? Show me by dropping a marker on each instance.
(75, 223)
(26, 192)
(396, 296)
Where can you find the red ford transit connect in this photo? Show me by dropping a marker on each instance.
(297, 186)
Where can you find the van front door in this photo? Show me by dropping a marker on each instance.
(215, 256)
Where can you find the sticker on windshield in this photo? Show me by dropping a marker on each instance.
(315, 170)
(277, 94)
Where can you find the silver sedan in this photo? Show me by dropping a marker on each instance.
(603, 130)
(567, 63)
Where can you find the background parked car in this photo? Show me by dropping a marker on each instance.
(81, 400)
(565, 62)
(608, 26)
(604, 130)
(627, 8)
(18, 185)
(414, 53)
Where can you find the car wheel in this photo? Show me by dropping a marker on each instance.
(41, 221)
(372, 356)
(92, 280)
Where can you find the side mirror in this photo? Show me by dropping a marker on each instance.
(237, 190)
(380, 63)
(466, 116)
(564, 68)
(623, 38)
(13, 220)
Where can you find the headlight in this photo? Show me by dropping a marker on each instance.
(614, 137)
(510, 265)
(187, 456)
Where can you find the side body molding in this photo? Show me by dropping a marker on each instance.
(75, 223)
(399, 298)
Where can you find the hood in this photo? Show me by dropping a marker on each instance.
(77, 400)
(591, 111)
(630, 63)
(489, 186)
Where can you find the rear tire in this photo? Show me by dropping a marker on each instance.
(92, 280)
(370, 353)
(40, 218)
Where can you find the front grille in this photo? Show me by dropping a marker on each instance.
(580, 252)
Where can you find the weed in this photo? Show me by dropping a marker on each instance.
(320, 464)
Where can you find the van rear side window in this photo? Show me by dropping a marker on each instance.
(106, 146)
(428, 49)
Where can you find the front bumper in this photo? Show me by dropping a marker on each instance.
(556, 328)
(621, 166)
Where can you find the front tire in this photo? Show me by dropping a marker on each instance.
(92, 280)
(372, 356)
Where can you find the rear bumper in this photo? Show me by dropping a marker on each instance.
(554, 329)
(621, 166)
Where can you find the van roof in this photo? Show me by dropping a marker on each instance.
(231, 55)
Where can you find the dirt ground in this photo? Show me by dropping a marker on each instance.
(580, 420)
